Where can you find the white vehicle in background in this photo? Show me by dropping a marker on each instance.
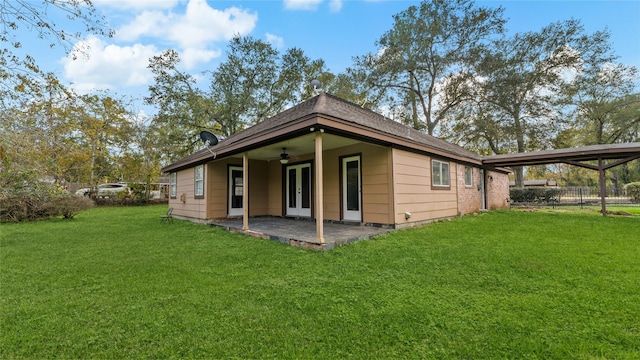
(83, 191)
(106, 190)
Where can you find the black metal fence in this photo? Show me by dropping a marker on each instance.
(571, 196)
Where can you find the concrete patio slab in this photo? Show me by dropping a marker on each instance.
(301, 232)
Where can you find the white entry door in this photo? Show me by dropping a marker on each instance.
(235, 191)
(351, 189)
(298, 190)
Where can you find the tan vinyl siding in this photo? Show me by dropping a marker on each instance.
(192, 208)
(259, 179)
(331, 183)
(377, 193)
(413, 192)
(377, 189)
(217, 185)
(274, 188)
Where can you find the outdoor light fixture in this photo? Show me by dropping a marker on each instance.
(284, 157)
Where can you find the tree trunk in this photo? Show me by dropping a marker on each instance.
(518, 171)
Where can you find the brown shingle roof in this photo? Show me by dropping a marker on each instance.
(328, 110)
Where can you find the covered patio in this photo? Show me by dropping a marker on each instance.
(301, 232)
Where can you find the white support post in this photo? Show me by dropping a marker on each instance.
(319, 190)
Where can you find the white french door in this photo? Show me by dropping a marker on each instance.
(298, 190)
(351, 189)
(235, 191)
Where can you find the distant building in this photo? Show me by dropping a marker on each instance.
(528, 183)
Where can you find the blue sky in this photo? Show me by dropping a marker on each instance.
(334, 30)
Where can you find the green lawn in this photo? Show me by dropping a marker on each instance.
(115, 283)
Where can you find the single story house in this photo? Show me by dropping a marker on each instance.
(330, 160)
(530, 183)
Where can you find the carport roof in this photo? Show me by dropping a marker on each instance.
(628, 151)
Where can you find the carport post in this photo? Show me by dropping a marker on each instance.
(603, 187)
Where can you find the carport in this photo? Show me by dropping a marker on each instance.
(616, 154)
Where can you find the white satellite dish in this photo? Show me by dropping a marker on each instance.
(317, 86)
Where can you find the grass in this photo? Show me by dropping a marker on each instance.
(115, 283)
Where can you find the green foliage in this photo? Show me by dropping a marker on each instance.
(115, 283)
(67, 205)
(253, 82)
(256, 81)
(20, 73)
(29, 207)
(24, 197)
(606, 110)
(534, 195)
(416, 61)
(633, 191)
(138, 193)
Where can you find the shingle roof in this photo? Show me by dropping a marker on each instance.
(334, 106)
(329, 107)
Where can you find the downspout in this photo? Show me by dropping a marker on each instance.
(482, 189)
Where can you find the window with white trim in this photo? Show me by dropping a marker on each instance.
(173, 187)
(198, 190)
(468, 176)
(440, 173)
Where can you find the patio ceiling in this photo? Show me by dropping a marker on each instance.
(297, 146)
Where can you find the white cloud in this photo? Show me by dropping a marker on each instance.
(148, 23)
(191, 57)
(108, 66)
(275, 40)
(302, 4)
(334, 5)
(202, 24)
(193, 32)
(137, 4)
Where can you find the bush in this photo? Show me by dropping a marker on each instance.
(138, 193)
(633, 191)
(534, 195)
(29, 207)
(68, 206)
(24, 197)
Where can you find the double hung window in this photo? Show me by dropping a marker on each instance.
(198, 190)
(173, 185)
(440, 174)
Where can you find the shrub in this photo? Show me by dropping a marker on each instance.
(138, 193)
(68, 206)
(534, 195)
(23, 197)
(633, 191)
(29, 207)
